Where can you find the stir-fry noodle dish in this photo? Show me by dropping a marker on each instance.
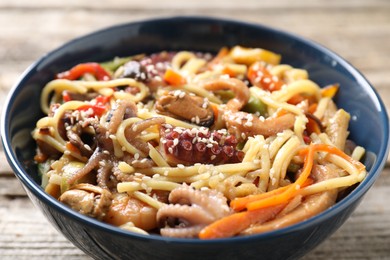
(195, 145)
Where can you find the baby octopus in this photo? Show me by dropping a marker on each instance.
(242, 124)
(189, 146)
(190, 210)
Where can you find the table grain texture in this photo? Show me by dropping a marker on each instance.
(358, 30)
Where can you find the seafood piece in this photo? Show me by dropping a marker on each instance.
(238, 87)
(87, 199)
(132, 132)
(125, 109)
(189, 146)
(178, 104)
(125, 209)
(243, 125)
(191, 210)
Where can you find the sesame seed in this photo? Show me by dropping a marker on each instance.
(106, 152)
(182, 94)
(248, 124)
(87, 147)
(136, 156)
(180, 166)
(170, 150)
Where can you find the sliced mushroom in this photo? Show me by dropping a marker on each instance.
(178, 104)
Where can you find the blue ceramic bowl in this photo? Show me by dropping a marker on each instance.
(369, 128)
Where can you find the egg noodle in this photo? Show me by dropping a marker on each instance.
(186, 144)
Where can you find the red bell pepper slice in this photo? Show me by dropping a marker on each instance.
(83, 68)
(99, 107)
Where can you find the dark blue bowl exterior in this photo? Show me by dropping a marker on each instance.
(369, 125)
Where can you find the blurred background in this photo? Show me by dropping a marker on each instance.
(358, 30)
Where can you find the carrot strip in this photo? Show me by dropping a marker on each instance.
(237, 222)
(174, 78)
(223, 52)
(241, 203)
(313, 108)
(292, 188)
(308, 164)
(336, 151)
(329, 91)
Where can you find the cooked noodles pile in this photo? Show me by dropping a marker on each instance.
(192, 145)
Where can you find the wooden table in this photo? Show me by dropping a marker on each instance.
(359, 30)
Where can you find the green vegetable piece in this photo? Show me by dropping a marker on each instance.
(255, 105)
(114, 64)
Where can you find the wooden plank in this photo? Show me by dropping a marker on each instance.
(200, 4)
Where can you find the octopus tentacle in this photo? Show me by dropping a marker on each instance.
(240, 123)
(210, 200)
(237, 86)
(92, 163)
(193, 215)
(125, 109)
(189, 232)
(188, 146)
(132, 132)
(191, 210)
(103, 174)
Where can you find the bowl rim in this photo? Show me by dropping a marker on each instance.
(35, 188)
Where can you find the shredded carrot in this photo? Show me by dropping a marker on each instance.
(292, 188)
(71, 147)
(280, 112)
(330, 91)
(334, 150)
(228, 71)
(237, 222)
(313, 108)
(223, 52)
(240, 203)
(174, 78)
(215, 111)
(40, 157)
(296, 99)
(286, 195)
